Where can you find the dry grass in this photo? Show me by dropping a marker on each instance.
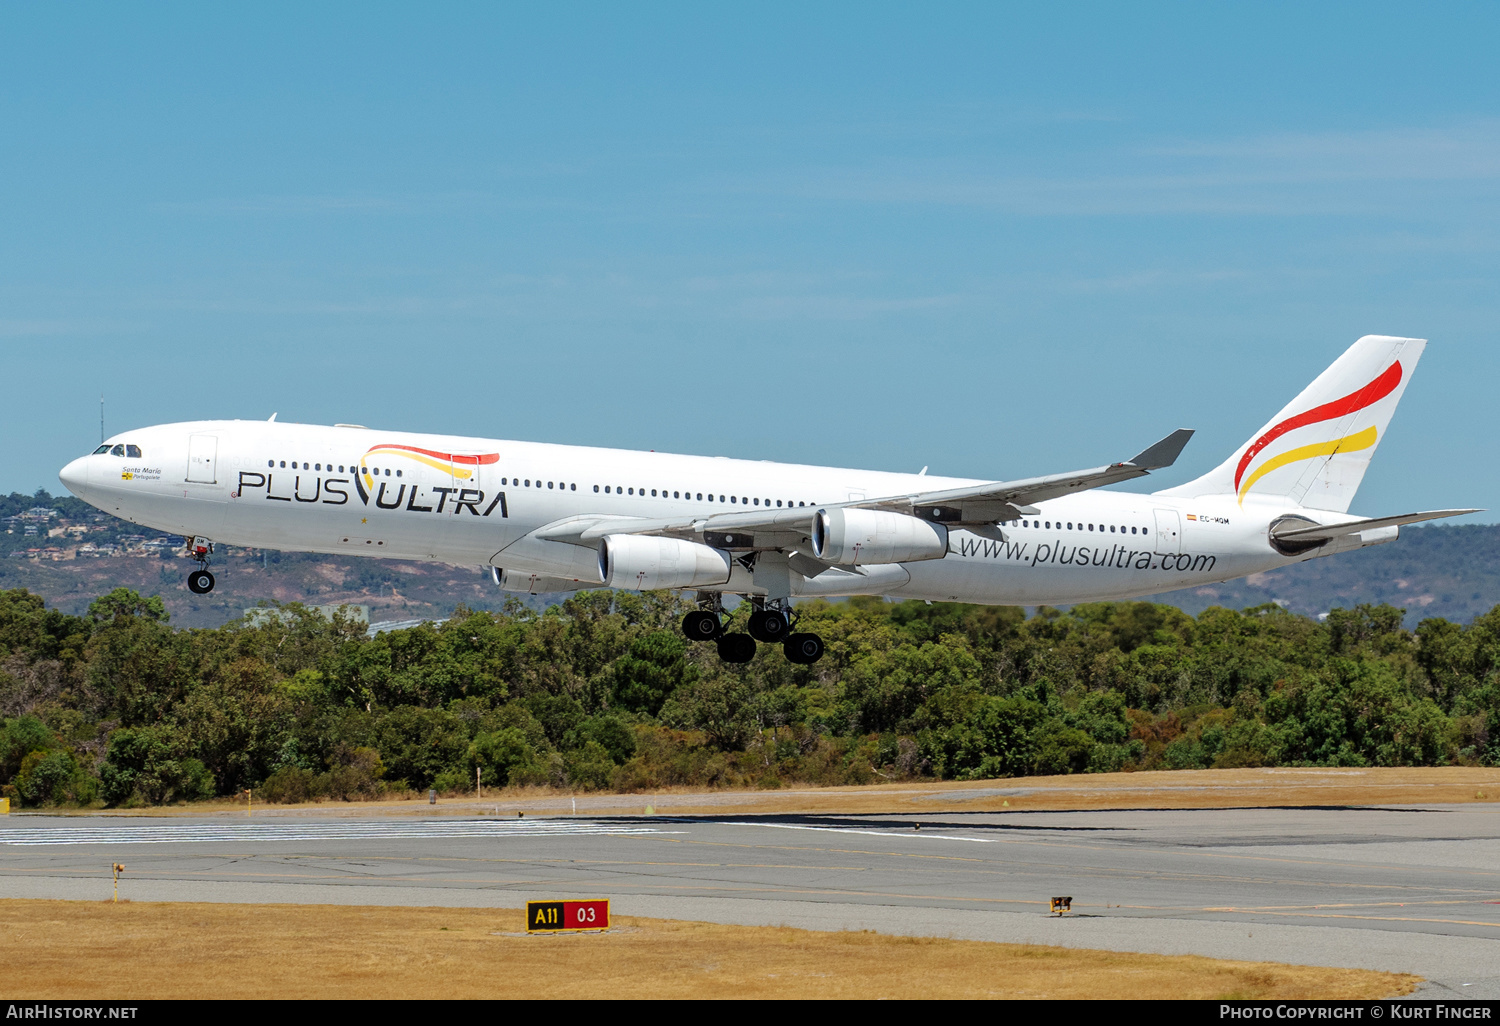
(133, 950)
(1176, 789)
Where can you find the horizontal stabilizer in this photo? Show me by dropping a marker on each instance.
(1330, 531)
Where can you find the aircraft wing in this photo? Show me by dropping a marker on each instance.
(1330, 531)
(978, 505)
(1007, 500)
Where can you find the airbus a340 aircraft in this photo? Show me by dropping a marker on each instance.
(551, 518)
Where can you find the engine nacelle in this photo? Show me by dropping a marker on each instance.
(852, 536)
(639, 563)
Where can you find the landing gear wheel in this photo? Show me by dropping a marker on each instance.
(769, 625)
(804, 649)
(200, 582)
(701, 625)
(736, 648)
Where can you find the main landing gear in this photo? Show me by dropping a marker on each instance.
(769, 624)
(200, 581)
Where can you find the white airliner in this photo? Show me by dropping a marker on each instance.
(551, 518)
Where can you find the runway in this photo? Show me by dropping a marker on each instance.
(1407, 888)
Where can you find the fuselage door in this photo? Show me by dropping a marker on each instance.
(203, 456)
(1168, 532)
(464, 473)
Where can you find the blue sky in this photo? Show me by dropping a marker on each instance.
(996, 240)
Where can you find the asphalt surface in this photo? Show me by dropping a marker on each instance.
(1412, 889)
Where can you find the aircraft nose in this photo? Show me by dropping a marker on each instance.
(75, 476)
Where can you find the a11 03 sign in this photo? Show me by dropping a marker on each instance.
(566, 916)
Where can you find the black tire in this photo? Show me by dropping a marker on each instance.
(200, 582)
(736, 648)
(701, 625)
(804, 649)
(770, 626)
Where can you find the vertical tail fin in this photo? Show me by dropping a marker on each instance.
(1315, 451)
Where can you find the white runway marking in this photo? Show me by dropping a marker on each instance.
(273, 832)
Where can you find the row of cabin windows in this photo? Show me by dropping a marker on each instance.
(1059, 525)
(737, 499)
(562, 486)
(330, 469)
(376, 472)
(132, 451)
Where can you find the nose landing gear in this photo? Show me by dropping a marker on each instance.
(200, 581)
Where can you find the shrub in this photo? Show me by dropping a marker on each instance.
(55, 778)
(141, 767)
(289, 785)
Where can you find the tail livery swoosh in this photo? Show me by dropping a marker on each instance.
(1349, 443)
(1375, 391)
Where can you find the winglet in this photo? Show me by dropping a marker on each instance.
(1164, 453)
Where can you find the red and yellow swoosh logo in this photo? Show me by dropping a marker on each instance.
(460, 465)
(1383, 385)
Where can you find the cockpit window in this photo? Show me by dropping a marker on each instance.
(101, 449)
(133, 451)
(118, 450)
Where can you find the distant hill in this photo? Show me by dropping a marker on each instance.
(1447, 571)
(70, 553)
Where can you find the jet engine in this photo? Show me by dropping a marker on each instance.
(640, 563)
(851, 536)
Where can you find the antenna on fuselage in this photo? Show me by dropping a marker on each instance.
(270, 418)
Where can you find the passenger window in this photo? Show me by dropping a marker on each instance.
(118, 450)
(549, 484)
(721, 498)
(270, 463)
(653, 493)
(283, 464)
(700, 496)
(778, 502)
(528, 482)
(596, 488)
